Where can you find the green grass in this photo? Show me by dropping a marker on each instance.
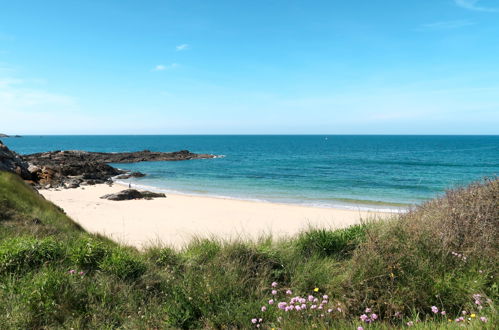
(55, 275)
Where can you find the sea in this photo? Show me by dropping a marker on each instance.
(381, 172)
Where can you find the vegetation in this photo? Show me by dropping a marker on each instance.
(440, 257)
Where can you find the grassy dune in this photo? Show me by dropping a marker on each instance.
(444, 255)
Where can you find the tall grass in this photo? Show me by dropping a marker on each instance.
(443, 255)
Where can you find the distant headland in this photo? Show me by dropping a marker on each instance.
(8, 136)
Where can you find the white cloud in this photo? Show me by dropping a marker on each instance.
(14, 96)
(474, 5)
(162, 67)
(447, 25)
(182, 47)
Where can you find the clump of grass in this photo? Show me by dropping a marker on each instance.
(123, 264)
(331, 243)
(88, 253)
(438, 254)
(25, 253)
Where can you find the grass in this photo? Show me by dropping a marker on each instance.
(442, 254)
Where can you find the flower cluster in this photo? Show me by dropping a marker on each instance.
(315, 304)
(319, 306)
(73, 271)
(465, 315)
(459, 255)
(368, 317)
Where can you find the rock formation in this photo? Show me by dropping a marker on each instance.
(12, 162)
(132, 194)
(70, 169)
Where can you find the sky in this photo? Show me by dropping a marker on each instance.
(249, 67)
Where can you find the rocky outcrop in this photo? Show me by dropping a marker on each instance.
(72, 168)
(113, 157)
(132, 194)
(12, 162)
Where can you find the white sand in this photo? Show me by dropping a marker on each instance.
(176, 219)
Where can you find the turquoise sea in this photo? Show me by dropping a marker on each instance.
(324, 170)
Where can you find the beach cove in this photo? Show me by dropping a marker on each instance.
(177, 219)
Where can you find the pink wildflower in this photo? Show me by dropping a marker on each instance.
(434, 309)
(483, 319)
(288, 292)
(363, 317)
(310, 298)
(274, 284)
(72, 271)
(254, 321)
(478, 302)
(325, 297)
(271, 301)
(274, 292)
(374, 316)
(260, 320)
(313, 307)
(316, 300)
(264, 308)
(339, 309)
(410, 324)
(360, 328)
(464, 312)
(324, 302)
(303, 306)
(368, 310)
(330, 310)
(443, 312)
(81, 273)
(281, 305)
(298, 308)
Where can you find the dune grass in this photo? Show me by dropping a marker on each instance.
(390, 274)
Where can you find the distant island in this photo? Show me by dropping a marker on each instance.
(7, 136)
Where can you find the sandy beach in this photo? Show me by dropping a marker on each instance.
(175, 220)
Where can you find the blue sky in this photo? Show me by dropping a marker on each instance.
(249, 67)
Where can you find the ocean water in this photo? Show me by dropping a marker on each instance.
(351, 171)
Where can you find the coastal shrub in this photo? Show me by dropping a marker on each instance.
(425, 257)
(331, 243)
(88, 253)
(123, 264)
(21, 253)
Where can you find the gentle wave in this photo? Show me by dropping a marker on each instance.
(338, 205)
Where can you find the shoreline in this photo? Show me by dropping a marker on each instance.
(342, 204)
(178, 218)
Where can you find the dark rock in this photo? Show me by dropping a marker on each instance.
(12, 162)
(62, 168)
(132, 194)
(130, 175)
